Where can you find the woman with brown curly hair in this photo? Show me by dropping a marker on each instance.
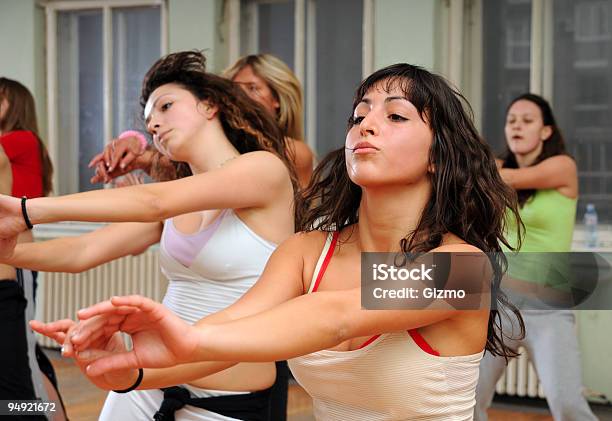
(414, 176)
(266, 80)
(219, 228)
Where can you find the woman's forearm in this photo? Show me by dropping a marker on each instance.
(135, 203)
(304, 325)
(300, 326)
(156, 378)
(79, 253)
(57, 255)
(232, 186)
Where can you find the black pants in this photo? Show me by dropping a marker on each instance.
(278, 395)
(15, 371)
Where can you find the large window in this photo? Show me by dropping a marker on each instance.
(506, 62)
(561, 49)
(322, 41)
(98, 55)
(581, 94)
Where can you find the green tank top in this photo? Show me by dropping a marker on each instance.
(549, 219)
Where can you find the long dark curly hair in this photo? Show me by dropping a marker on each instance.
(247, 126)
(468, 197)
(554, 145)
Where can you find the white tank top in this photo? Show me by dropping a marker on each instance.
(393, 376)
(207, 271)
(211, 269)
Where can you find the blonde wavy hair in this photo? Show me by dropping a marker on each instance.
(285, 88)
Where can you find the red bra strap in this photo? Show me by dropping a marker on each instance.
(328, 257)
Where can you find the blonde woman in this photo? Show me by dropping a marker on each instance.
(267, 80)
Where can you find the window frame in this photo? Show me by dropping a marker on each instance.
(52, 8)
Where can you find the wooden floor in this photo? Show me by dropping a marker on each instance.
(83, 400)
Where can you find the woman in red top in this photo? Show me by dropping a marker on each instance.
(26, 372)
(30, 164)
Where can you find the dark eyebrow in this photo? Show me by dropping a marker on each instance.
(387, 100)
(396, 98)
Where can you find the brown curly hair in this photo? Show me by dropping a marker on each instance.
(246, 125)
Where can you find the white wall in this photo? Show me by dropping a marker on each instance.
(22, 50)
(193, 24)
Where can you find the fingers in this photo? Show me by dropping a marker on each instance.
(112, 362)
(101, 175)
(92, 354)
(129, 157)
(118, 305)
(142, 303)
(58, 326)
(96, 309)
(54, 330)
(89, 330)
(108, 154)
(95, 160)
(120, 149)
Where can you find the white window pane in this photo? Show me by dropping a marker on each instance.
(506, 62)
(80, 88)
(582, 95)
(136, 46)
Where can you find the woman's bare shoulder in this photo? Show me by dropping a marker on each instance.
(453, 243)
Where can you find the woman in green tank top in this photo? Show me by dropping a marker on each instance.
(544, 175)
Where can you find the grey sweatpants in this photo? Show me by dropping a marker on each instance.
(552, 345)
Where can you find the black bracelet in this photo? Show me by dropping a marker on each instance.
(24, 212)
(135, 385)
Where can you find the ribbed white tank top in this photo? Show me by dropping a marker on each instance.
(391, 377)
(228, 260)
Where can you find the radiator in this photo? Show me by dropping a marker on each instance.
(520, 378)
(60, 295)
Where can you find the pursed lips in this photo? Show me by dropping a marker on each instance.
(364, 147)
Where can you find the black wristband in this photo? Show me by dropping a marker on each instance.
(24, 212)
(135, 385)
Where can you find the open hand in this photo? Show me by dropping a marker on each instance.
(160, 338)
(103, 346)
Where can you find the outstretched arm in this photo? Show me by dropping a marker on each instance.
(266, 293)
(83, 252)
(161, 339)
(557, 172)
(232, 186)
(302, 325)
